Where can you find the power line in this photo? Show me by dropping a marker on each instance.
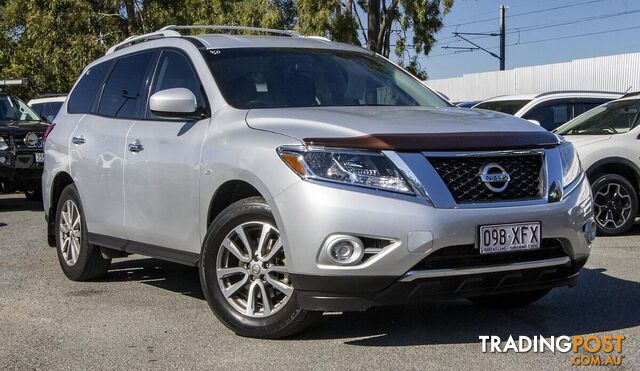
(577, 35)
(548, 39)
(527, 13)
(536, 27)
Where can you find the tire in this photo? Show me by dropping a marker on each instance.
(79, 260)
(280, 316)
(7, 187)
(615, 204)
(33, 192)
(511, 300)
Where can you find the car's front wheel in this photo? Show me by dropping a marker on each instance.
(244, 274)
(79, 260)
(33, 192)
(615, 204)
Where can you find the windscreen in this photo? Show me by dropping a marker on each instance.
(612, 118)
(504, 106)
(13, 109)
(288, 77)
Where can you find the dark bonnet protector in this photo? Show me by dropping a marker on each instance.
(466, 141)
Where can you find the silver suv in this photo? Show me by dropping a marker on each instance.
(301, 175)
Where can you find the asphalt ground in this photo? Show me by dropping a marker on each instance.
(151, 314)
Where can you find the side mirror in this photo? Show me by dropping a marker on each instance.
(535, 122)
(175, 103)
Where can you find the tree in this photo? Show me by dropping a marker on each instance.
(386, 20)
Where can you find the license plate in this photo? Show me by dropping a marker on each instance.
(501, 238)
(39, 158)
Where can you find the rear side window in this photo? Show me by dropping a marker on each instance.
(504, 106)
(86, 92)
(123, 94)
(174, 71)
(37, 108)
(551, 116)
(50, 110)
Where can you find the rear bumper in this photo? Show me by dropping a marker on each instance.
(356, 293)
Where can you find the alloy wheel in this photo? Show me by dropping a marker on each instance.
(251, 270)
(613, 205)
(70, 232)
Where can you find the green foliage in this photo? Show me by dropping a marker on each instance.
(51, 41)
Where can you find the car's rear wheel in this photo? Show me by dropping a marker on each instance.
(511, 300)
(79, 260)
(244, 274)
(615, 204)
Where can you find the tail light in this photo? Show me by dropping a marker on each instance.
(48, 131)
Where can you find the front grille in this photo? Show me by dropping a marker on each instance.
(462, 177)
(468, 256)
(19, 141)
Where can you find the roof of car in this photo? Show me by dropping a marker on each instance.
(215, 41)
(559, 93)
(46, 99)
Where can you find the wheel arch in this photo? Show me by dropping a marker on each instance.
(228, 193)
(616, 165)
(61, 180)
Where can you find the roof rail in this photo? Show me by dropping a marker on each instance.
(232, 28)
(172, 31)
(141, 38)
(577, 91)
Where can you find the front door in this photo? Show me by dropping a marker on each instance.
(162, 166)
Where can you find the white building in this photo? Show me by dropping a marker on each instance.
(618, 73)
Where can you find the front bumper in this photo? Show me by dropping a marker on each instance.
(20, 168)
(310, 212)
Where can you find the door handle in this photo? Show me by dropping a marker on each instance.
(136, 146)
(77, 140)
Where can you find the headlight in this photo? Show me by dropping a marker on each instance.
(359, 168)
(571, 167)
(3, 144)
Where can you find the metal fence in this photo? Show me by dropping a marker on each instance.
(611, 73)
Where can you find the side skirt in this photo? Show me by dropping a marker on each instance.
(132, 247)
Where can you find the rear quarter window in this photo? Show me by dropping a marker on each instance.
(85, 94)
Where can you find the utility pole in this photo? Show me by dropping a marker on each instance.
(501, 56)
(502, 37)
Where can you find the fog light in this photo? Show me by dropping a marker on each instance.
(344, 250)
(3, 160)
(590, 230)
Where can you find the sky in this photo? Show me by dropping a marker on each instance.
(573, 17)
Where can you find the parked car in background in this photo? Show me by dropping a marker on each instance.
(47, 105)
(548, 110)
(302, 175)
(21, 152)
(607, 139)
(467, 104)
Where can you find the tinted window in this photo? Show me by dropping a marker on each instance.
(13, 109)
(123, 94)
(174, 71)
(288, 77)
(614, 118)
(50, 110)
(37, 108)
(550, 116)
(86, 92)
(504, 106)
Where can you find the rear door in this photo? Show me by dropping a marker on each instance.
(162, 174)
(98, 144)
